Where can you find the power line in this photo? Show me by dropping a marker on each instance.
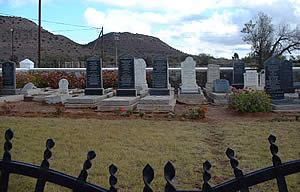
(55, 22)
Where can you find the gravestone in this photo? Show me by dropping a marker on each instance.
(251, 79)
(221, 86)
(213, 73)
(140, 77)
(160, 82)
(188, 76)
(262, 79)
(190, 92)
(8, 78)
(28, 86)
(272, 75)
(126, 83)
(94, 83)
(63, 87)
(238, 74)
(286, 77)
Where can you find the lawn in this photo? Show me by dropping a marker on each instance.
(131, 144)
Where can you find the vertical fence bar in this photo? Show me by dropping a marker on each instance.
(206, 176)
(148, 176)
(281, 183)
(9, 134)
(237, 172)
(84, 174)
(41, 182)
(169, 171)
(113, 179)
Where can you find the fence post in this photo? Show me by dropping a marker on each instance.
(281, 183)
(41, 182)
(113, 179)
(169, 171)
(237, 172)
(206, 176)
(148, 176)
(9, 134)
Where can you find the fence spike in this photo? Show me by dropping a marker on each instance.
(47, 154)
(113, 180)
(169, 171)
(237, 172)
(206, 176)
(281, 183)
(148, 176)
(9, 134)
(87, 165)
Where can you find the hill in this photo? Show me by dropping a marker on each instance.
(58, 48)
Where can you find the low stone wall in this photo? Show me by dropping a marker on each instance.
(175, 73)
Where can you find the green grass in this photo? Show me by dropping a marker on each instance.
(131, 144)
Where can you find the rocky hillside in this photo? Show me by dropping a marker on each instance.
(57, 48)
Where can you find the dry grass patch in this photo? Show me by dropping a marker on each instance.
(132, 144)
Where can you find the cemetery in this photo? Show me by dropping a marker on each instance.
(132, 117)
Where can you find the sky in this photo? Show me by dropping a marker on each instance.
(192, 26)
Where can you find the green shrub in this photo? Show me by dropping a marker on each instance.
(195, 113)
(250, 101)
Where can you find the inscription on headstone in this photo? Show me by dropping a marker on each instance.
(188, 76)
(126, 72)
(251, 79)
(272, 75)
(9, 75)
(238, 74)
(63, 87)
(286, 77)
(221, 86)
(94, 83)
(160, 73)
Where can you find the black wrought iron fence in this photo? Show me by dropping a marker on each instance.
(241, 182)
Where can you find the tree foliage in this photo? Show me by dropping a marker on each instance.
(267, 41)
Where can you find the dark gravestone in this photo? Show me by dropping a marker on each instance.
(126, 83)
(238, 74)
(221, 86)
(272, 75)
(94, 84)
(160, 80)
(286, 77)
(9, 78)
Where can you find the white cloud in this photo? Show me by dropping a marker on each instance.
(18, 3)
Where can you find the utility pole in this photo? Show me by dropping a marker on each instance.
(12, 44)
(39, 34)
(116, 37)
(102, 45)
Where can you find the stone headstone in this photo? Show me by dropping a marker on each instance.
(221, 86)
(140, 75)
(63, 87)
(272, 75)
(286, 77)
(94, 83)
(160, 82)
(238, 74)
(188, 76)
(9, 78)
(28, 86)
(251, 79)
(262, 79)
(126, 83)
(213, 73)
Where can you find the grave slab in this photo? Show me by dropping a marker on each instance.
(11, 98)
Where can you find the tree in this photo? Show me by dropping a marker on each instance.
(235, 56)
(266, 41)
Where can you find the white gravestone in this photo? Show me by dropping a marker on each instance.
(213, 73)
(140, 75)
(251, 79)
(63, 87)
(188, 76)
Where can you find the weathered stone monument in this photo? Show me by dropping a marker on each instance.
(251, 79)
(29, 89)
(8, 79)
(213, 73)
(63, 85)
(272, 75)
(161, 97)
(126, 96)
(94, 84)
(140, 77)
(189, 92)
(160, 83)
(238, 74)
(221, 86)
